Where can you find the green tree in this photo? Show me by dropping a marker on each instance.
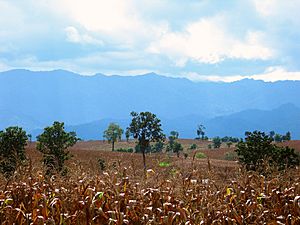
(12, 149)
(127, 135)
(229, 144)
(272, 134)
(217, 142)
(201, 131)
(258, 149)
(157, 147)
(278, 138)
(173, 145)
(146, 128)
(53, 144)
(287, 136)
(113, 133)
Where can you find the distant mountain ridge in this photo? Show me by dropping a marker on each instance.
(36, 99)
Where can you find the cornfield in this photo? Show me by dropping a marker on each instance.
(184, 191)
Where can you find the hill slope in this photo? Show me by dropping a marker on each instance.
(36, 99)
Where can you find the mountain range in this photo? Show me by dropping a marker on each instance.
(87, 104)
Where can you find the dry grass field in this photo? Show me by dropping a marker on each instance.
(180, 191)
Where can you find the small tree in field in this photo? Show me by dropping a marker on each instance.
(201, 131)
(173, 145)
(12, 149)
(127, 135)
(53, 143)
(113, 133)
(145, 127)
(258, 149)
(217, 142)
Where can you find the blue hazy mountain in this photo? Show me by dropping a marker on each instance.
(36, 99)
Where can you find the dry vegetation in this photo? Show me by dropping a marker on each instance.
(187, 191)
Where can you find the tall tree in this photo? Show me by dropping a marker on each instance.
(145, 127)
(113, 133)
(53, 143)
(201, 131)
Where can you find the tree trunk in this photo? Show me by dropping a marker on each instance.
(144, 159)
(113, 146)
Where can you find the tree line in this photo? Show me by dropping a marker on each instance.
(145, 128)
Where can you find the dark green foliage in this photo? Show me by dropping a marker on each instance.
(12, 149)
(146, 128)
(53, 143)
(127, 135)
(217, 142)
(173, 145)
(279, 137)
(157, 147)
(258, 149)
(201, 131)
(230, 139)
(125, 150)
(193, 146)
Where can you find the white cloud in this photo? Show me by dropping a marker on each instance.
(278, 10)
(74, 36)
(272, 74)
(207, 41)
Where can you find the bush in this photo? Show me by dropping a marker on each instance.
(53, 143)
(217, 142)
(157, 147)
(124, 150)
(193, 146)
(164, 164)
(12, 149)
(257, 150)
(200, 155)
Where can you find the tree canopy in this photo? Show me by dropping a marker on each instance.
(113, 133)
(53, 143)
(146, 128)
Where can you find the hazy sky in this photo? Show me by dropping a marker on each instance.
(197, 39)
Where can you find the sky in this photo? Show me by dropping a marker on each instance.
(208, 40)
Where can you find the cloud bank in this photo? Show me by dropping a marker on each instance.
(200, 40)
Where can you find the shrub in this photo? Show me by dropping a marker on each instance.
(193, 146)
(53, 143)
(157, 147)
(12, 149)
(124, 150)
(200, 155)
(164, 164)
(217, 142)
(258, 149)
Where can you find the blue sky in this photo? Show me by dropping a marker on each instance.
(198, 39)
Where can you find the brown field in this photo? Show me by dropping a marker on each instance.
(187, 191)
